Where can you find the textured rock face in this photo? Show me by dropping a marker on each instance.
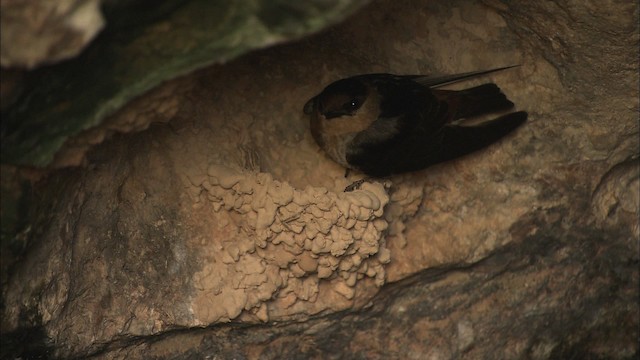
(225, 210)
(54, 30)
(142, 47)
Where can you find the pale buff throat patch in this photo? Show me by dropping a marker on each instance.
(361, 120)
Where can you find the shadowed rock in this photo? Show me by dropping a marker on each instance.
(222, 230)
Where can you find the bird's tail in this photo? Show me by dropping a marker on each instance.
(462, 140)
(475, 101)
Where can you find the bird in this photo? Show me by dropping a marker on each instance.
(384, 124)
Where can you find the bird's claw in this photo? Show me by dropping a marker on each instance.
(355, 186)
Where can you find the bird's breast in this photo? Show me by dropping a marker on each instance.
(335, 135)
(334, 145)
(337, 146)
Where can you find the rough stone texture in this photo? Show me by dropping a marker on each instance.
(225, 209)
(144, 44)
(53, 30)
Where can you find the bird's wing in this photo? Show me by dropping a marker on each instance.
(422, 135)
(411, 151)
(459, 140)
(437, 81)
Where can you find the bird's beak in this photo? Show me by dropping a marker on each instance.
(310, 106)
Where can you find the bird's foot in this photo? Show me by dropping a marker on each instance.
(356, 185)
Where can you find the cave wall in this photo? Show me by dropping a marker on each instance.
(224, 209)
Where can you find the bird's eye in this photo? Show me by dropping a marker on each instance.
(351, 106)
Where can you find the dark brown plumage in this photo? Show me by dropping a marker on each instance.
(383, 124)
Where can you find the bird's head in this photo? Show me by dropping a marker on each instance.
(345, 107)
(343, 97)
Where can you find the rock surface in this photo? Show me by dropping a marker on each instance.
(224, 210)
(143, 45)
(53, 30)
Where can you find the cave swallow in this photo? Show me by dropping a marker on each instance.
(384, 124)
